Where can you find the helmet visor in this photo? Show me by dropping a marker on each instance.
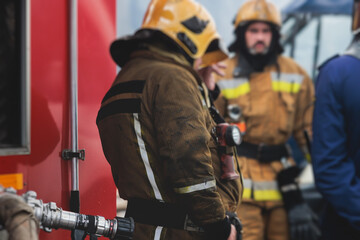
(216, 52)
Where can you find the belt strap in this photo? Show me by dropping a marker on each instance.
(263, 153)
(157, 213)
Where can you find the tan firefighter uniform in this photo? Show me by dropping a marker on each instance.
(274, 105)
(18, 218)
(156, 133)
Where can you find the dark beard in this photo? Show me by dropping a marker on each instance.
(259, 61)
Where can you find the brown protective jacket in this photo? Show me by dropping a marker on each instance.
(156, 133)
(18, 218)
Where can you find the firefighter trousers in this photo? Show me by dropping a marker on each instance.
(265, 220)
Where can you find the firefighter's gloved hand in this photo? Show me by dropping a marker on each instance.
(17, 217)
(303, 223)
(234, 220)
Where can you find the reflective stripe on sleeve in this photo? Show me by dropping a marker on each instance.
(247, 183)
(145, 158)
(262, 191)
(196, 187)
(234, 88)
(279, 86)
(267, 195)
(286, 82)
(246, 193)
(247, 188)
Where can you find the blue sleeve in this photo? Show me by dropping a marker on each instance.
(334, 170)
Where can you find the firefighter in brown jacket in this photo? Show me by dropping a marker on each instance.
(157, 132)
(270, 97)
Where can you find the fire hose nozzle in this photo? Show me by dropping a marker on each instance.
(52, 217)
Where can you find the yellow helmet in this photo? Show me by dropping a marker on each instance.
(258, 10)
(356, 17)
(189, 25)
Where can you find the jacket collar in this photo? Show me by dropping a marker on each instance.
(153, 52)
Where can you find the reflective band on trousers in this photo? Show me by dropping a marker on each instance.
(196, 187)
(286, 82)
(233, 88)
(157, 234)
(247, 188)
(262, 191)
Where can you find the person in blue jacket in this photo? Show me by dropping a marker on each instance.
(336, 140)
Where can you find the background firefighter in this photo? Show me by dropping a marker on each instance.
(157, 132)
(336, 146)
(273, 97)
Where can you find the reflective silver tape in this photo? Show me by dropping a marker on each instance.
(266, 191)
(196, 187)
(287, 77)
(247, 183)
(232, 83)
(266, 185)
(203, 102)
(145, 158)
(191, 226)
(157, 234)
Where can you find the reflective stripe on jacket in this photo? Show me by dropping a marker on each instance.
(261, 190)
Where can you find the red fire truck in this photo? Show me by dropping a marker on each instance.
(55, 68)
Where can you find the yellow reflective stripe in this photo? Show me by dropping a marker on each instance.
(280, 86)
(196, 187)
(247, 185)
(231, 93)
(262, 195)
(267, 195)
(261, 190)
(246, 193)
(286, 82)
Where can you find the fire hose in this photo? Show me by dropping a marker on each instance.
(52, 217)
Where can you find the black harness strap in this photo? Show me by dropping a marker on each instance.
(263, 153)
(156, 213)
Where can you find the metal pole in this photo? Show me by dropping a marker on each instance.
(292, 47)
(317, 46)
(74, 100)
